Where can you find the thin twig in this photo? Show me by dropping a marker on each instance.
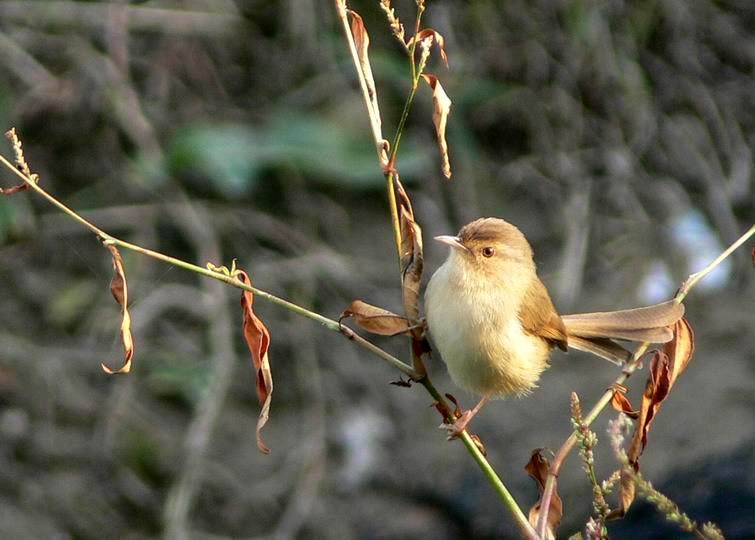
(697, 276)
(372, 113)
(377, 135)
(500, 488)
(389, 177)
(330, 324)
(627, 372)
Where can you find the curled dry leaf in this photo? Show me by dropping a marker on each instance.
(376, 320)
(412, 257)
(14, 189)
(119, 289)
(362, 42)
(537, 468)
(666, 367)
(258, 340)
(436, 36)
(626, 494)
(621, 403)
(441, 109)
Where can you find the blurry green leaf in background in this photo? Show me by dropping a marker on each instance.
(232, 157)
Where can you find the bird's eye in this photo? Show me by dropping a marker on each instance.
(488, 252)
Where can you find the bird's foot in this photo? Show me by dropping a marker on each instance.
(459, 425)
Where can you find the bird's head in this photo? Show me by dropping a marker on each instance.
(489, 245)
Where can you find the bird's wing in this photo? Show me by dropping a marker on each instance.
(539, 317)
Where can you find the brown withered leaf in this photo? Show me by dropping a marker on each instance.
(441, 110)
(14, 189)
(258, 340)
(376, 320)
(362, 42)
(411, 257)
(666, 367)
(621, 403)
(437, 37)
(626, 494)
(119, 289)
(537, 468)
(412, 272)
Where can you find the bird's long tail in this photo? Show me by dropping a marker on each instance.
(594, 332)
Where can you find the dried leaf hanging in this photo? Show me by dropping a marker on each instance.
(376, 320)
(119, 289)
(537, 468)
(626, 493)
(666, 367)
(258, 340)
(362, 42)
(437, 37)
(621, 403)
(441, 110)
(411, 256)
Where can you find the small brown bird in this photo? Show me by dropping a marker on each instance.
(494, 324)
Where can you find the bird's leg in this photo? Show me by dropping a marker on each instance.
(455, 429)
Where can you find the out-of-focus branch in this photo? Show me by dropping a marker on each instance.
(24, 65)
(140, 18)
(183, 492)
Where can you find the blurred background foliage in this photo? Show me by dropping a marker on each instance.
(618, 135)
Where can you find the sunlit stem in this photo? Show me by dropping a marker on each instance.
(500, 488)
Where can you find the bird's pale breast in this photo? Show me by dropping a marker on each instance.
(480, 337)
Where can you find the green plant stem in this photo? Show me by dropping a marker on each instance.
(417, 22)
(412, 93)
(500, 488)
(389, 176)
(627, 372)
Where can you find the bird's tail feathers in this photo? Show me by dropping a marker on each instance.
(593, 332)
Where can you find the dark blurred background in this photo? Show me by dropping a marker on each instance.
(618, 135)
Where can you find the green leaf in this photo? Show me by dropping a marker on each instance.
(228, 158)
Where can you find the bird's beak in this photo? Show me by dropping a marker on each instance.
(452, 241)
